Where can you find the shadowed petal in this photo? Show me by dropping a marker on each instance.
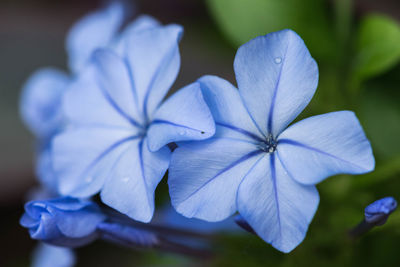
(79, 223)
(183, 116)
(153, 62)
(231, 117)
(85, 104)
(325, 145)
(143, 22)
(277, 78)
(278, 208)
(93, 31)
(133, 180)
(204, 177)
(40, 101)
(112, 77)
(83, 157)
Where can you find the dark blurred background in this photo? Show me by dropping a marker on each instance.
(357, 47)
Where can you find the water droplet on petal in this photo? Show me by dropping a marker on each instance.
(278, 60)
(182, 132)
(125, 179)
(89, 179)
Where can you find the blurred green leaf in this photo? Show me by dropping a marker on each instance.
(382, 172)
(242, 20)
(380, 115)
(377, 46)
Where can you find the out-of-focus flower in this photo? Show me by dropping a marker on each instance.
(254, 164)
(52, 256)
(119, 132)
(40, 104)
(378, 212)
(41, 101)
(97, 29)
(63, 222)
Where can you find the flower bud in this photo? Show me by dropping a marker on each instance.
(62, 221)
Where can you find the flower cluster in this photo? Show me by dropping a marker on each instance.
(112, 133)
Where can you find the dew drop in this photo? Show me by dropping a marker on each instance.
(125, 179)
(278, 60)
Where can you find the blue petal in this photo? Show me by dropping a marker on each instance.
(325, 145)
(83, 157)
(83, 95)
(184, 116)
(277, 78)
(47, 229)
(40, 101)
(52, 256)
(78, 223)
(231, 117)
(204, 176)
(133, 180)
(94, 31)
(45, 171)
(278, 208)
(153, 60)
(143, 22)
(112, 77)
(64, 203)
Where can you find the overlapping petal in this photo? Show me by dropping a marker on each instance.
(84, 157)
(204, 176)
(93, 31)
(325, 145)
(231, 117)
(141, 23)
(113, 79)
(278, 208)
(153, 60)
(134, 178)
(84, 104)
(184, 116)
(277, 78)
(41, 101)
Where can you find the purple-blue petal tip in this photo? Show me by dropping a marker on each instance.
(378, 211)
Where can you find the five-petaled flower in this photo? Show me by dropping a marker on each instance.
(255, 164)
(117, 140)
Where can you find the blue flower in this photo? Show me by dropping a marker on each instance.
(378, 211)
(116, 143)
(97, 29)
(62, 221)
(40, 104)
(254, 164)
(42, 93)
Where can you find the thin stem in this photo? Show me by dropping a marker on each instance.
(160, 229)
(362, 228)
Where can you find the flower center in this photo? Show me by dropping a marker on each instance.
(269, 145)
